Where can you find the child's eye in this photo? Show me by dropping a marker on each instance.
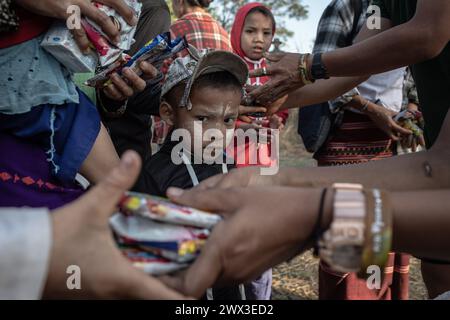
(249, 31)
(229, 121)
(201, 118)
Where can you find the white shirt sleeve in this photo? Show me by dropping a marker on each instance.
(25, 243)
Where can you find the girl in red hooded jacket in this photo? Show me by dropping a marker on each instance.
(251, 36)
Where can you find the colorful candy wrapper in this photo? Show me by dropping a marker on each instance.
(187, 251)
(185, 243)
(411, 120)
(107, 53)
(155, 52)
(162, 210)
(150, 263)
(126, 31)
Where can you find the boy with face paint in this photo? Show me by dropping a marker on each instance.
(200, 98)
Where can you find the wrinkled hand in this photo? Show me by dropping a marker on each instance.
(262, 228)
(284, 78)
(82, 237)
(383, 119)
(58, 9)
(122, 88)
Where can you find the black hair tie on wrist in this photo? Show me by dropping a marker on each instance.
(317, 232)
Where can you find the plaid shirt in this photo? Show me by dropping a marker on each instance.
(333, 32)
(336, 24)
(202, 31)
(409, 90)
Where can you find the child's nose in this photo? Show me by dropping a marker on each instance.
(259, 37)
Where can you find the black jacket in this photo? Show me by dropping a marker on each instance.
(159, 172)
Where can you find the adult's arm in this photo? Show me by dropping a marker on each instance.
(422, 38)
(289, 216)
(423, 170)
(154, 20)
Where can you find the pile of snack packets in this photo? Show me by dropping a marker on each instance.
(105, 55)
(160, 237)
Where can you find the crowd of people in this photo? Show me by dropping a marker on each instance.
(369, 99)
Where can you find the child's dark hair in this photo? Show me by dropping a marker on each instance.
(199, 3)
(266, 12)
(216, 80)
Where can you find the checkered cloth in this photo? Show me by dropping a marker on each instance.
(336, 24)
(202, 31)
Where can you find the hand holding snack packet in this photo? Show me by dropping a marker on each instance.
(108, 28)
(154, 52)
(159, 236)
(412, 120)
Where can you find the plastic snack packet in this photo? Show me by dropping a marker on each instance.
(150, 263)
(186, 251)
(411, 120)
(162, 210)
(126, 31)
(155, 52)
(107, 53)
(60, 43)
(185, 243)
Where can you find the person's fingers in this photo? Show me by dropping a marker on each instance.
(422, 141)
(257, 93)
(121, 85)
(409, 141)
(122, 9)
(249, 88)
(101, 19)
(136, 82)
(414, 145)
(213, 200)
(82, 40)
(210, 182)
(207, 268)
(245, 119)
(148, 70)
(142, 286)
(251, 109)
(112, 93)
(267, 71)
(274, 57)
(103, 198)
(402, 131)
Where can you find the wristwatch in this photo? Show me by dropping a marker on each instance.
(318, 69)
(341, 246)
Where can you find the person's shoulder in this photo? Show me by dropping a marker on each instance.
(154, 6)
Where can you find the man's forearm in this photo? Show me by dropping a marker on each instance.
(420, 39)
(421, 223)
(321, 91)
(424, 170)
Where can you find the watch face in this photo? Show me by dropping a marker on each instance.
(348, 257)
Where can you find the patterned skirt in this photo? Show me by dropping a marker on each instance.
(358, 140)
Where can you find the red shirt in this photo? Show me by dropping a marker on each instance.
(31, 26)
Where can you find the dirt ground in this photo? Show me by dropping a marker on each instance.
(298, 280)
